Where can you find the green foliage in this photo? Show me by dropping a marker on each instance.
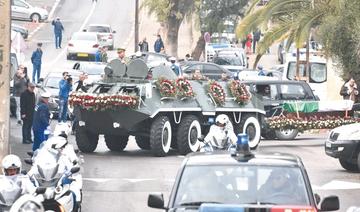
(161, 8)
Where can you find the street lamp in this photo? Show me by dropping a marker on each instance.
(136, 25)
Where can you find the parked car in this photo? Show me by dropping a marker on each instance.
(94, 70)
(275, 93)
(153, 59)
(343, 143)
(83, 45)
(233, 59)
(22, 10)
(210, 70)
(22, 30)
(254, 75)
(105, 33)
(233, 182)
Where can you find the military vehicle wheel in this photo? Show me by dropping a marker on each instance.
(86, 141)
(143, 142)
(188, 132)
(116, 143)
(250, 125)
(160, 136)
(288, 134)
(358, 160)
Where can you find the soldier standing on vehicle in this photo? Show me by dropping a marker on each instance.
(121, 55)
(41, 120)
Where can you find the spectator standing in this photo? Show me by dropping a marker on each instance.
(174, 66)
(80, 83)
(36, 60)
(27, 104)
(104, 56)
(349, 90)
(144, 45)
(158, 45)
(98, 54)
(20, 84)
(65, 86)
(257, 35)
(41, 120)
(58, 30)
(248, 43)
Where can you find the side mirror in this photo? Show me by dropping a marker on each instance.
(156, 201)
(330, 203)
(28, 161)
(40, 190)
(75, 169)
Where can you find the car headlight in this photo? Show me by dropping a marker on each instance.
(31, 206)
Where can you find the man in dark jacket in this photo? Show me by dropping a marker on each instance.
(144, 45)
(65, 86)
(58, 29)
(36, 61)
(27, 104)
(20, 85)
(41, 120)
(158, 45)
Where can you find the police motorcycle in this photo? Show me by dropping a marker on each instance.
(9, 193)
(55, 165)
(221, 136)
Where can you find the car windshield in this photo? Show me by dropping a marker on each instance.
(84, 36)
(318, 72)
(242, 185)
(93, 69)
(234, 61)
(52, 82)
(101, 29)
(294, 92)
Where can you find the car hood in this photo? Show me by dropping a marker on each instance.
(54, 92)
(347, 132)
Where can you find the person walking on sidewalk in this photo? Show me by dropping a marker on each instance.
(65, 86)
(20, 83)
(257, 35)
(36, 59)
(41, 120)
(58, 30)
(27, 104)
(158, 45)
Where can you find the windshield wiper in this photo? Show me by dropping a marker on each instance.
(198, 203)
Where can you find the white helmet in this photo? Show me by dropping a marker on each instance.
(11, 162)
(222, 119)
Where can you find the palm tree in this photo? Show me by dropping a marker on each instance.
(286, 19)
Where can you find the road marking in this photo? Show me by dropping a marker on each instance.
(97, 180)
(337, 185)
(62, 53)
(131, 180)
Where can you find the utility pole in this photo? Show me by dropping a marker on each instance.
(136, 25)
(4, 76)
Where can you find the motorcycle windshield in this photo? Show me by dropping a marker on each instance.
(10, 191)
(47, 164)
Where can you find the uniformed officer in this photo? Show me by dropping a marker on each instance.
(121, 55)
(41, 120)
(174, 66)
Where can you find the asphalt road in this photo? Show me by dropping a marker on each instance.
(122, 181)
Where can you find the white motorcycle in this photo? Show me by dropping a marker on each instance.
(9, 193)
(52, 170)
(208, 147)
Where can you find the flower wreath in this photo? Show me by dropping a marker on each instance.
(166, 87)
(102, 102)
(184, 88)
(217, 92)
(240, 92)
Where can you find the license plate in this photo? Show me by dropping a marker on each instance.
(82, 55)
(328, 144)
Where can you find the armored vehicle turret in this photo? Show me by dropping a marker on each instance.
(161, 110)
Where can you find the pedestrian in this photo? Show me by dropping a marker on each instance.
(65, 86)
(121, 55)
(27, 104)
(158, 45)
(98, 54)
(80, 83)
(248, 43)
(104, 56)
(58, 30)
(349, 90)
(41, 120)
(256, 36)
(144, 45)
(36, 59)
(20, 84)
(174, 66)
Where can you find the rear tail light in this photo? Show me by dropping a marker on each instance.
(70, 44)
(96, 46)
(293, 209)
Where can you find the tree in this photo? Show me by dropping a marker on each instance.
(171, 13)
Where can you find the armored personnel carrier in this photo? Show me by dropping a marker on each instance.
(159, 109)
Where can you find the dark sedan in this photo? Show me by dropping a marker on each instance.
(22, 30)
(210, 70)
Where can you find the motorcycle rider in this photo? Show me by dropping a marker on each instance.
(11, 165)
(221, 134)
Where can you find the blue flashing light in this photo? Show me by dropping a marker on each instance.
(211, 120)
